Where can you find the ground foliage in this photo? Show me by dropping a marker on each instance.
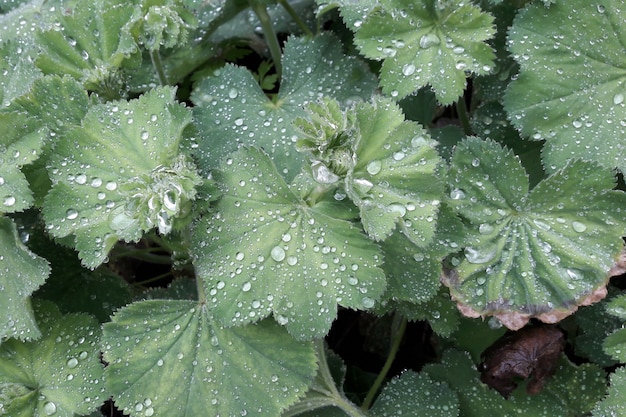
(202, 201)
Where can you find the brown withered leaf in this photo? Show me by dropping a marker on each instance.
(531, 352)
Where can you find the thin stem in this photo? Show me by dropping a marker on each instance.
(461, 109)
(158, 66)
(270, 36)
(156, 278)
(296, 17)
(369, 398)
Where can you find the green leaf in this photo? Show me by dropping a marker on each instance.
(595, 324)
(352, 12)
(572, 70)
(20, 144)
(127, 178)
(231, 109)
(89, 45)
(18, 73)
(265, 250)
(170, 358)
(410, 392)
(394, 180)
(614, 404)
(22, 272)
(615, 345)
(534, 254)
(427, 42)
(60, 374)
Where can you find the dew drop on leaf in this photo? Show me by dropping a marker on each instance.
(374, 167)
(71, 214)
(429, 40)
(72, 363)
(50, 408)
(478, 256)
(408, 69)
(579, 227)
(457, 194)
(367, 302)
(9, 201)
(277, 253)
(618, 98)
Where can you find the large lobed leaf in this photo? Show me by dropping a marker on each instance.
(531, 254)
(58, 375)
(21, 273)
(126, 178)
(571, 86)
(266, 251)
(231, 109)
(427, 42)
(170, 358)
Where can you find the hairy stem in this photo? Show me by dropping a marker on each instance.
(158, 66)
(461, 109)
(296, 17)
(270, 36)
(393, 351)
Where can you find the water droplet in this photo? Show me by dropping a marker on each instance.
(429, 40)
(397, 208)
(71, 214)
(233, 93)
(277, 253)
(96, 182)
(49, 408)
(374, 167)
(72, 363)
(542, 225)
(578, 226)
(81, 179)
(322, 174)
(618, 98)
(239, 256)
(475, 162)
(111, 186)
(408, 69)
(9, 201)
(1, 180)
(246, 287)
(458, 50)
(485, 229)
(480, 256)
(145, 135)
(367, 302)
(574, 274)
(457, 194)
(398, 156)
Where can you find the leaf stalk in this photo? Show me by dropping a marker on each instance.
(270, 36)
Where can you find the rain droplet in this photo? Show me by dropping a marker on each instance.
(374, 167)
(9, 201)
(457, 194)
(578, 226)
(49, 408)
(233, 93)
(542, 225)
(71, 214)
(475, 162)
(72, 363)
(367, 302)
(408, 69)
(478, 256)
(246, 287)
(398, 156)
(239, 256)
(618, 98)
(485, 229)
(429, 40)
(277, 253)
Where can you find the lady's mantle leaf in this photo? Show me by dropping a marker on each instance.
(615, 344)
(571, 89)
(21, 273)
(614, 404)
(58, 375)
(90, 44)
(427, 42)
(265, 250)
(231, 109)
(534, 254)
(169, 358)
(18, 72)
(119, 175)
(411, 392)
(394, 179)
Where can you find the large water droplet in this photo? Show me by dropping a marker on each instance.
(480, 256)
(50, 408)
(322, 174)
(485, 229)
(457, 194)
(71, 214)
(367, 302)
(618, 98)
(429, 40)
(72, 363)
(374, 167)
(233, 93)
(277, 253)
(578, 226)
(408, 69)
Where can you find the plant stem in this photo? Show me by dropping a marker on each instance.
(296, 17)
(156, 278)
(158, 66)
(369, 398)
(270, 36)
(461, 109)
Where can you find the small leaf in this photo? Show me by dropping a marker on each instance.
(22, 272)
(394, 180)
(265, 250)
(18, 73)
(410, 392)
(60, 374)
(595, 325)
(127, 177)
(192, 367)
(572, 70)
(427, 42)
(614, 404)
(534, 254)
(231, 109)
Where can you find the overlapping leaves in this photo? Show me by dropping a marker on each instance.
(427, 42)
(571, 86)
(60, 374)
(534, 254)
(231, 109)
(21, 272)
(127, 177)
(266, 251)
(193, 366)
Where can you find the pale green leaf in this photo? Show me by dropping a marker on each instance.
(427, 42)
(89, 45)
(617, 307)
(595, 324)
(615, 345)
(21, 22)
(231, 109)
(352, 12)
(18, 72)
(571, 87)
(394, 180)
(170, 358)
(21, 273)
(533, 254)
(265, 250)
(58, 375)
(614, 404)
(411, 392)
(127, 178)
